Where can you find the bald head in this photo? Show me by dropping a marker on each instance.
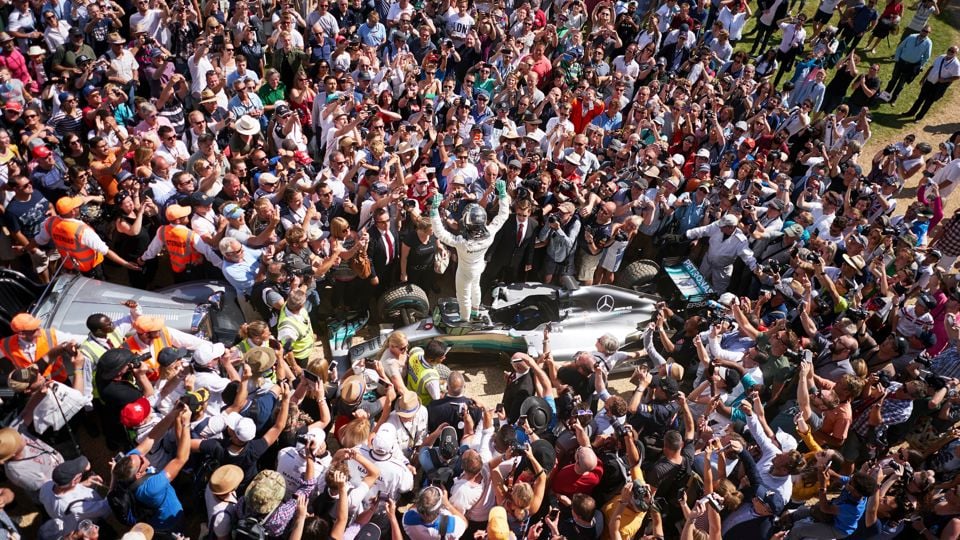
(586, 460)
(455, 383)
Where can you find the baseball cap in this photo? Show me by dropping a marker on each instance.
(169, 355)
(206, 353)
(384, 442)
(65, 472)
(67, 204)
(243, 427)
(40, 152)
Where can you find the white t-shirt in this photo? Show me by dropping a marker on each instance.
(458, 26)
(221, 514)
(292, 465)
(152, 20)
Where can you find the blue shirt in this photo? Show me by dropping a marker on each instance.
(374, 36)
(242, 274)
(608, 125)
(914, 50)
(849, 509)
(156, 492)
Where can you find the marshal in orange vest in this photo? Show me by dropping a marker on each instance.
(179, 243)
(67, 236)
(10, 347)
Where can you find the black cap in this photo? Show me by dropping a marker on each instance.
(928, 301)
(111, 362)
(198, 198)
(667, 384)
(65, 472)
(545, 454)
(169, 355)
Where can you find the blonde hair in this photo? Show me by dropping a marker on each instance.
(338, 226)
(319, 367)
(354, 433)
(395, 338)
(521, 494)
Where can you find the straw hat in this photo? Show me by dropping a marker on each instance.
(225, 479)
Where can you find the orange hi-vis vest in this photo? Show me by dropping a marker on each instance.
(163, 341)
(179, 243)
(45, 341)
(67, 236)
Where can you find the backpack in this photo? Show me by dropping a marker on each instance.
(249, 528)
(123, 502)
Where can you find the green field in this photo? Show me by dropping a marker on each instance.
(886, 118)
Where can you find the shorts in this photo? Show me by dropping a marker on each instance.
(612, 256)
(822, 17)
(587, 266)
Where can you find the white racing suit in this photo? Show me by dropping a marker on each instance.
(717, 264)
(470, 255)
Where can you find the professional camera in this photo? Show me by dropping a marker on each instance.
(813, 258)
(772, 267)
(139, 359)
(532, 184)
(565, 186)
(620, 236)
(889, 149)
(552, 218)
(857, 314)
(518, 448)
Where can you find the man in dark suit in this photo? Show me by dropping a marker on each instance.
(510, 256)
(383, 250)
(675, 53)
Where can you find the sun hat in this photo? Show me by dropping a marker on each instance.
(247, 125)
(225, 479)
(260, 359)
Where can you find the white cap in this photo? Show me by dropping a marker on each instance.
(728, 220)
(727, 299)
(205, 354)
(242, 427)
(703, 152)
(678, 160)
(384, 443)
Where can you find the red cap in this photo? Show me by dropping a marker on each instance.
(134, 413)
(40, 152)
(750, 142)
(13, 106)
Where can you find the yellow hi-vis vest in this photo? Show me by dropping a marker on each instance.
(419, 374)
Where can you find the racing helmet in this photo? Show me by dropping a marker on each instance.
(474, 222)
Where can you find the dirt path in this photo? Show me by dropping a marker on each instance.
(935, 128)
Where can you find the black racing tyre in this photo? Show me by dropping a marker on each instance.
(404, 304)
(639, 275)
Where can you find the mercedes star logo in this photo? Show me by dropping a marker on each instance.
(605, 303)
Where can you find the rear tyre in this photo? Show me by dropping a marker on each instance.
(639, 275)
(404, 304)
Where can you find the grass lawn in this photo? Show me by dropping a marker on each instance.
(886, 122)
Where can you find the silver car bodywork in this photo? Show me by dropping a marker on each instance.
(577, 318)
(71, 298)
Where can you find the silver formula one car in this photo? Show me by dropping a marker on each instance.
(518, 315)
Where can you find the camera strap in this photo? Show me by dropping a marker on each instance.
(66, 422)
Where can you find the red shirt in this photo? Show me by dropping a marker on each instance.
(581, 118)
(567, 481)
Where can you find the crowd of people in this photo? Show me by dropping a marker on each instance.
(316, 154)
